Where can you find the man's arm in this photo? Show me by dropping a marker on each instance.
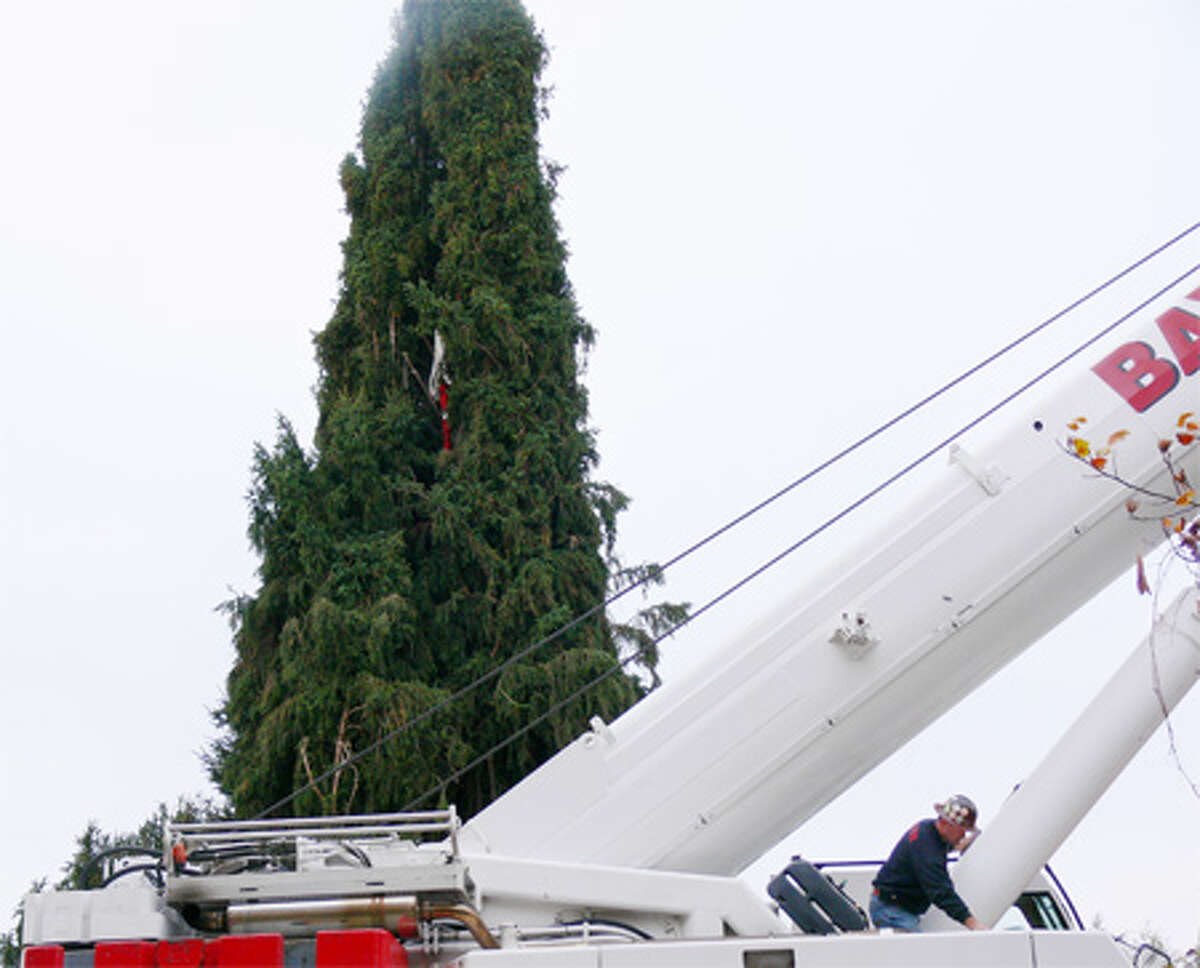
(929, 862)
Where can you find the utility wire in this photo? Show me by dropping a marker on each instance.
(824, 526)
(655, 574)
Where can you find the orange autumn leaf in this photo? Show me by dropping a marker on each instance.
(1117, 437)
(1082, 448)
(1185, 439)
(1098, 462)
(1185, 498)
(1164, 445)
(1184, 418)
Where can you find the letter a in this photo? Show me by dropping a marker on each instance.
(1182, 330)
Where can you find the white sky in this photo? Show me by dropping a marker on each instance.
(787, 221)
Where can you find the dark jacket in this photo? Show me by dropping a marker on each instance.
(914, 876)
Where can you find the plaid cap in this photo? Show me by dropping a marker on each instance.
(958, 809)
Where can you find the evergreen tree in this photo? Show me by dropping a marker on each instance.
(445, 519)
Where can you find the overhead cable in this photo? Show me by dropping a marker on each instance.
(795, 546)
(656, 573)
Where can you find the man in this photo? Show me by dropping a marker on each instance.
(915, 876)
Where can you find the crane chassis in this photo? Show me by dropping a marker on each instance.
(624, 849)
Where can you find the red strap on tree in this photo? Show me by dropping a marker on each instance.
(444, 401)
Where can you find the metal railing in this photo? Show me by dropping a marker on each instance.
(216, 837)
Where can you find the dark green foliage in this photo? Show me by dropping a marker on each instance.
(10, 941)
(395, 571)
(10, 949)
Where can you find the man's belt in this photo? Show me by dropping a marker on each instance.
(891, 897)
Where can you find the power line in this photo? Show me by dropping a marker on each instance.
(795, 546)
(655, 574)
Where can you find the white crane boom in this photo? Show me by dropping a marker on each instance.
(707, 774)
(632, 834)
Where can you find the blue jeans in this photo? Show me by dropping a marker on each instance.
(884, 915)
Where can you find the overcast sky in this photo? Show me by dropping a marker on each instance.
(787, 222)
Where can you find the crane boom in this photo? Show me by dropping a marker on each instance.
(632, 834)
(707, 774)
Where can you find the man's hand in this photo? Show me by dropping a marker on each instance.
(974, 923)
(966, 840)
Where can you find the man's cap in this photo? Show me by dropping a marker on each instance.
(958, 809)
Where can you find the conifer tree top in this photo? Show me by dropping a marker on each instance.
(446, 519)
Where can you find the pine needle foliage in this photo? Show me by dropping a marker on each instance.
(394, 571)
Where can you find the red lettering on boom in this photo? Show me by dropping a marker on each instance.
(1140, 377)
(1182, 331)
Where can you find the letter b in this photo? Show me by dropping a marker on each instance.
(1139, 376)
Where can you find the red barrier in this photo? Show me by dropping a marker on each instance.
(369, 948)
(182, 954)
(247, 951)
(45, 956)
(124, 954)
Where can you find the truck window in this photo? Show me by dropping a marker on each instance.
(1033, 909)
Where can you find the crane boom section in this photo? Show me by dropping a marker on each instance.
(708, 773)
